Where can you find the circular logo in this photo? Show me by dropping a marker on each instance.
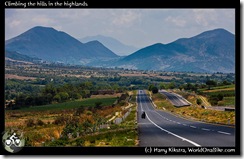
(13, 141)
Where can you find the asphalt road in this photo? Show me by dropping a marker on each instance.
(175, 99)
(161, 128)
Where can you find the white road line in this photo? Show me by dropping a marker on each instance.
(184, 124)
(224, 133)
(193, 127)
(180, 137)
(205, 129)
(178, 123)
(140, 103)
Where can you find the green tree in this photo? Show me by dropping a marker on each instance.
(49, 88)
(154, 90)
(171, 85)
(57, 98)
(64, 96)
(199, 101)
(211, 83)
(162, 86)
(20, 100)
(220, 96)
(226, 82)
(150, 87)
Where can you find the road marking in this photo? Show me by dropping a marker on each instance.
(184, 124)
(180, 137)
(140, 102)
(205, 129)
(178, 123)
(143, 123)
(224, 133)
(193, 127)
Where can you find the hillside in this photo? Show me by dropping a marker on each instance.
(210, 51)
(52, 45)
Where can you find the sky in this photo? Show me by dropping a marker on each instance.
(136, 27)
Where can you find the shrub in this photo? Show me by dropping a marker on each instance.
(98, 105)
(40, 122)
(220, 97)
(122, 103)
(154, 90)
(61, 120)
(79, 111)
(30, 122)
(199, 101)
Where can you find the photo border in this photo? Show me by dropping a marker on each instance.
(131, 151)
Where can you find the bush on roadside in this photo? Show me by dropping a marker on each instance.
(30, 122)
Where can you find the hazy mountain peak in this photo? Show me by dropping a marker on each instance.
(113, 44)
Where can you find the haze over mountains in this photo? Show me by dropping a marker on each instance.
(111, 43)
(210, 51)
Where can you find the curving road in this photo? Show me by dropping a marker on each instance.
(161, 128)
(175, 99)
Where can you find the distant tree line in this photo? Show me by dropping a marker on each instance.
(57, 94)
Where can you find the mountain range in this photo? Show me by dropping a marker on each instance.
(210, 51)
(111, 43)
(52, 45)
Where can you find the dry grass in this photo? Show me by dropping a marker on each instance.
(146, 75)
(219, 90)
(10, 76)
(107, 95)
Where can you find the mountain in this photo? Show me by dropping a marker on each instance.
(56, 46)
(111, 43)
(210, 51)
(19, 57)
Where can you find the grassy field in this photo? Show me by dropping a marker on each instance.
(227, 101)
(226, 87)
(227, 91)
(72, 104)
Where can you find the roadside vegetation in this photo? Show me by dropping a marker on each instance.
(77, 123)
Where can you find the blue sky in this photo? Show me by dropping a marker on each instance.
(137, 27)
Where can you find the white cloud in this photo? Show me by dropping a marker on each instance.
(42, 20)
(178, 21)
(126, 18)
(15, 23)
(204, 17)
